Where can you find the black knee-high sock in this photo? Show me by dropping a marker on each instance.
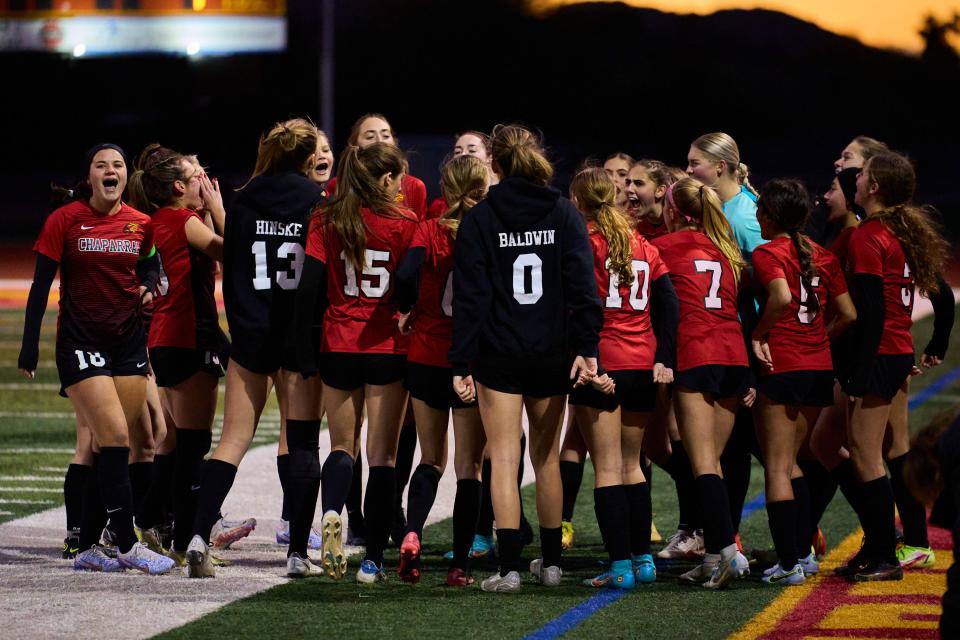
(735, 463)
(610, 505)
(117, 496)
(485, 519)
(141, 474)
(640, 515)
(466, 508)
(850, 486)
(571, 476)
(93, 517)
(216, 478)
(913, 516)
(678, 467)
(551, 546)
(303, 481)
(283, 472)
(801, 499)
(192, 446)
(879, 521)
(336, 481)
(153, 510)
(782, 516)
(509, 548)
(715, 505)
(354, 501)
(378, 507)
(823, 486)
(406, 449)
(423, 492)
(73, 484)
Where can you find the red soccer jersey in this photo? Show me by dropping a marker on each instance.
(184, 311)
(840, 246)
(626, 340)
(437, 208)
(876, 251)
(709, 331)
(649, 230)
(99, 287)
(412, 196)
(361, 316)
(798, 341)
(433, 326)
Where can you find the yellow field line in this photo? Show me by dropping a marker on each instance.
(767, 620)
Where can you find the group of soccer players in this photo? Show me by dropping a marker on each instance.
(673, 316)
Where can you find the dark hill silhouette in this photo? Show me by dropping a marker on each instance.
(593, 77)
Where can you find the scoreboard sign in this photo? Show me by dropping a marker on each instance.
(119, 27)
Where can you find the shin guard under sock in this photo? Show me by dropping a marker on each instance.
(303, 481)
(116, 494)
(192, 446)
(73, 485)
(466, 508)
(423, 492)
(216, 479)
(913, 515)
(610, 505)
(337, 481)
(378, 509)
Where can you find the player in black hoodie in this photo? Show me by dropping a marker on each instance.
(525, 305)
(263, 256)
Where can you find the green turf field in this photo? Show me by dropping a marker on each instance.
(38, 446)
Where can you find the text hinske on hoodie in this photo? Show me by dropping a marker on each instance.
(274, 228)
(527, 238)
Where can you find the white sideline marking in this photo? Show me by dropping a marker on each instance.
(15, 450)
(29, 386)
(6, 513)
(19, 501)
(32, 478)
(31, 490)
(39, 415)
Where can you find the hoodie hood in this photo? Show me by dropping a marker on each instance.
(519, 204)
(286, 194)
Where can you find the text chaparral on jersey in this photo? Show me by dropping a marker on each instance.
(103, 245)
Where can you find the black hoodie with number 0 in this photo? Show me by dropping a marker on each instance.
(523, 283)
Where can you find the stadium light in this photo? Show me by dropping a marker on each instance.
(193, 49)
(79, 50)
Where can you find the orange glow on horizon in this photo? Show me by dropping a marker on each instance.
(880, 24)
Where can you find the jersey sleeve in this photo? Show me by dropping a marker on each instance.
(766, 267)
(147, 245)
(418, 198)
(421, 238)
(315, 246)
(51, 239)
(866, 252)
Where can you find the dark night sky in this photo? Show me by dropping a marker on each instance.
(593, 78)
